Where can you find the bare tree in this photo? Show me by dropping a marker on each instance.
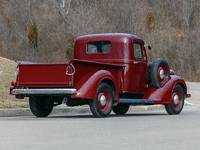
(184, 10)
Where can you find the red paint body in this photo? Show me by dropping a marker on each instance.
(118, 67)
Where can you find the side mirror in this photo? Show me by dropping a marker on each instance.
(149, 47)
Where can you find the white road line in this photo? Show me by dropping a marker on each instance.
(188, 103)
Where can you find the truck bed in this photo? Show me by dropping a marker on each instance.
(43, 75)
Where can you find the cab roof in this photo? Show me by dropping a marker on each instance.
(114, 35)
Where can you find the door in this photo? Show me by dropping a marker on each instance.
(139, 68)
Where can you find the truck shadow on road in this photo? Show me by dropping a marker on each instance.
(110, 116)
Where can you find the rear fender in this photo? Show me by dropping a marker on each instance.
(87, 87)
(163, 95)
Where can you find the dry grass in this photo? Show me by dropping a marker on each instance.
(7, 75)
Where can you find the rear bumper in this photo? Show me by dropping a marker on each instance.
(43, 91)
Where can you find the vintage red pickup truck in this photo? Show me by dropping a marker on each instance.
(109, 72)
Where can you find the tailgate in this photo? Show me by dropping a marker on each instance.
(44, 75)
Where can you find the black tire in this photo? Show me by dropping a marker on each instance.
(175, 107)
(101, 106)
(40, 106)
(121, 109)
(159, 65)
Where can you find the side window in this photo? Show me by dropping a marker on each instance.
(99, 47)
(138, 53)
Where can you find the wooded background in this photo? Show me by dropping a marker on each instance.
(45, 30)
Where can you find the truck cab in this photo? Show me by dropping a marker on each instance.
(119, 49)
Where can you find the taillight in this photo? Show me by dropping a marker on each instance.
(13, 83)
(19, 96)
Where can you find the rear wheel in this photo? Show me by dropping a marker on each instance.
(40, 106)
(177, 101)
(101, 106)
(120, 109)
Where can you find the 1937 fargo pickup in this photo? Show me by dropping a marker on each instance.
(109, 72)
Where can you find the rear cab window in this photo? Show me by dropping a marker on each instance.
(98, 47)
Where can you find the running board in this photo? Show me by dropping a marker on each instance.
(136, 101)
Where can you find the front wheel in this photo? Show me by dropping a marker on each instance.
(40, 106)
(177, 101)
(101, 106)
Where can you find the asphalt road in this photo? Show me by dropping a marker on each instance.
(135, 131)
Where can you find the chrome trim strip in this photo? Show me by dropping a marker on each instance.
(44, 91)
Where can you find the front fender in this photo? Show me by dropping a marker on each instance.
(163, 95)
(88, 85)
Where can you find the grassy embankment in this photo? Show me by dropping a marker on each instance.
(7, 75)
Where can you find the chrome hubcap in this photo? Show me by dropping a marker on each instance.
(162, 74)
(176, 99)
(103, 100)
